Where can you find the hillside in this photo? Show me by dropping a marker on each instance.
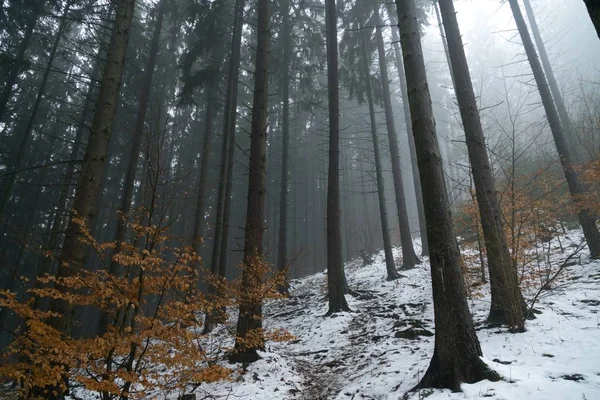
(381, 348)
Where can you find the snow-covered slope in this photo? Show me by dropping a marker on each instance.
(365, 354)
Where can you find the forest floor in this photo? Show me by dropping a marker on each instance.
(381, 348)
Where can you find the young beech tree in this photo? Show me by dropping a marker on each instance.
(506, 295)
(456, 356)
(586, 218)
(335, 267)
(249, 327)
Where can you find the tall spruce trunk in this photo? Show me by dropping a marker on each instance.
(13, 75)
(385, 230)
(409, 257)
(209, 115)
(556, 95)
(457, 352)
(249, 337)
(282, 248)
(506, 294)
(227, 152)
(587, 218)
(411, 140)
(16, 165)
(134, 155)
(335, 267)
(88, 186)
(593, 7)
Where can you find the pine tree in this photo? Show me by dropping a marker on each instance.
(586, 218)
(506, 295)
(456, 356)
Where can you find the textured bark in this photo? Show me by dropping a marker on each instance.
(13, 75)
(87, 191)
(385, 230)
(457, 352)
(409, 257)
(282, 248)
(586, 218)
(218, 266)
(593, 7)
(411, 140)
(556, 95)
(335, 267)
(16, 165)
(249, 325)
(134, 155)
(506, 294)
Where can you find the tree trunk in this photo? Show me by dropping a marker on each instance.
(13, 75)
(586, 217)
(335, 267)
(409, 257)
(506, 294)
(385, 230)
(411, 145)
(593, 7)
(204, 166)
(282, 248)
(249, 326)
(558, 99)
(138, 132)
(16, 165)
(457, 352)
(88, 187)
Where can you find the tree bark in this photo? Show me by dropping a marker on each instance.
(282, 248)
(506, 294)
(593, 7)
(87, 191)
(335, 267)
(411, 140)
(385, 230)
(457, 352)
(409, 257)
(134, 155)
(249, 326)
(586, 218)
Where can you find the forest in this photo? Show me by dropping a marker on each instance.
(299, 199)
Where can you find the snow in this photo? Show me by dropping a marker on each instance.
(356, 355)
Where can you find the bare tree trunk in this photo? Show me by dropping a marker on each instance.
(506, 294)
(457, 352)
(409, 257)
(13, 75)
(411, 140)
(16, 165)
(335, 267)
(87, 191)
(285, 153)
(385, 230)
(140, 122)
(204, 166)
(586, 217)
(593, 7)
(249, 325)
(227, 152)
(556, 95)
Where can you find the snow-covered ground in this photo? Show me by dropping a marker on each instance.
(362, 354)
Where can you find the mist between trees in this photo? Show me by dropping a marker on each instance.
(162, 162)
